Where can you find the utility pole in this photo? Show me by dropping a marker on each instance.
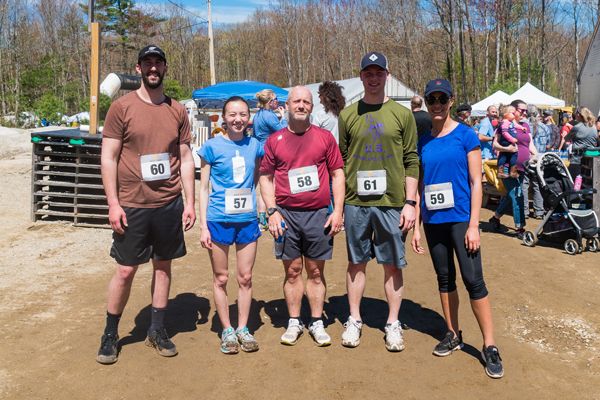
(211, 47)
(94, 28)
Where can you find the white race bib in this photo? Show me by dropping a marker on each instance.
(304, 179)
(155, 167)
(239, 167)
(371, 183)
(439, 196)
(238, 201)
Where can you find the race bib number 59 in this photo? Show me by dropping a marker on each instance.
(439, 196)
(155, 167)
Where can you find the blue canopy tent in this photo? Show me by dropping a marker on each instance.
(214, 96)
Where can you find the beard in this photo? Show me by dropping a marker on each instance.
(152, 85)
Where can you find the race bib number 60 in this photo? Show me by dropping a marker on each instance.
(303, 179)
(439, 196)
(155, 167)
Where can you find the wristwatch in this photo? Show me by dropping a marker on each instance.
(272, 210)
(410, 203)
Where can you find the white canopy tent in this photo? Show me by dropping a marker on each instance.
(495, 99)
(353, 91)
(589, 75)
(534, 96)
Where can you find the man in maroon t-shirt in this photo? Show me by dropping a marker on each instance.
(295, 173)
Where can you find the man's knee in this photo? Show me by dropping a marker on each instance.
(125, 274)
(293, 271)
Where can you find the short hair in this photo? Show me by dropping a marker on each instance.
(264, 96)
(416, 101)
(490, 106)
(333, 99)
(515, 103)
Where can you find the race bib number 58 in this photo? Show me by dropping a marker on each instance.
(303, 179)
(155, 167)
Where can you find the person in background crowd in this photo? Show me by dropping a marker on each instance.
(554, 142)
(228, 217)
(542, 136)
(486, 132)
(598, 129)
(450, 192)
(583, 135)
(267, 120)
(422, 118)
(333, 101)
(514, 186)
(463, 113)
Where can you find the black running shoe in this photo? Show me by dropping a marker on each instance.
(520, 233)
(493, 362)
(109, 349)
(496, 225)
(159, 339)
(449, 344)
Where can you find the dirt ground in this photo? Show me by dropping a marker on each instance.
(53, 282)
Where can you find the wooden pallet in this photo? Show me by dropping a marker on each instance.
(66, 184)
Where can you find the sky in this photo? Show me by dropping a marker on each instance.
(223, 11)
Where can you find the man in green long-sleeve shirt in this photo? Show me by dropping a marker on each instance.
(378, 140)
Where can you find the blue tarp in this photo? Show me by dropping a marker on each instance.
(214, 96)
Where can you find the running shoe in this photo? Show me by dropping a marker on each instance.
(493, 362)
(393, 337)
(246, 340)
(229, 342)
(317, 331)
(449, 344)
(293, 332)
(159, 339)
(520, 233)
(352, 331)
(109, 350)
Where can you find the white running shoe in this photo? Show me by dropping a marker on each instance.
(351, 335)
(293, 332)
(317, 331)
(393, 337)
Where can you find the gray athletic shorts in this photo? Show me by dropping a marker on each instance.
(373, 232)
(305, 235)
(150, 233)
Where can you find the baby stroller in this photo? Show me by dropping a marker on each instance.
(565, 217)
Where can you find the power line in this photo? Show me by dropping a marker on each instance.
(187, 11)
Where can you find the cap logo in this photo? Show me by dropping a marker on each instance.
(152, 48)
(438, 82)
(373, 57)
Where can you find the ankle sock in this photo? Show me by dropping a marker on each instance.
(158, 318)
(313, 320)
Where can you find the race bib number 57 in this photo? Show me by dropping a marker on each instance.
(155, 167)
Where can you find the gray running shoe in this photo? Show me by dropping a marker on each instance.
(229, 342)
(109, 350)
(246, 340)
(493, 362)
(159, 339)
(449, 344)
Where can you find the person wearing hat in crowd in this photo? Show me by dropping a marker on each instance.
(463, 113)
(146, 161)
(450, 199)
(548, 119)
(378, 140)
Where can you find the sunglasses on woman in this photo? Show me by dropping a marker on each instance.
(443, 99)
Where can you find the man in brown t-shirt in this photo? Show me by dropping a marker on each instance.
(146, 160)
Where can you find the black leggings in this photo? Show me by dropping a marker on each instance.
(444, 240)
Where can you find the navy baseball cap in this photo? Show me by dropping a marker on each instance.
(151, 50)
(438, 85)
(464, 107)
(374, 58)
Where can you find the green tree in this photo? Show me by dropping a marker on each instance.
(174, 89)
(50, 107)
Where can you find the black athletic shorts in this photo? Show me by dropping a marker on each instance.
(151, 233)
